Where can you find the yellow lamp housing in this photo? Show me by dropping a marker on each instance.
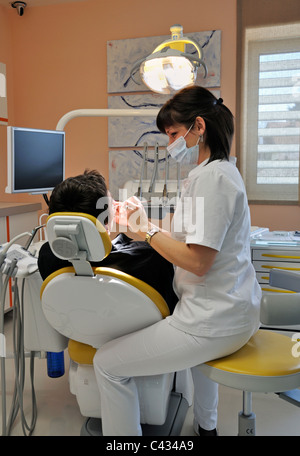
(169, 68)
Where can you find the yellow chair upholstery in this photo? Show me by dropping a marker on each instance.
(264, 364)
(81, 353)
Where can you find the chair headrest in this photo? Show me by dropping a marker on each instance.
(75, 235)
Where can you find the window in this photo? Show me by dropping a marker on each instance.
(271, 114)
(3, 96)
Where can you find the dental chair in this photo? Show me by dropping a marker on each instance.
(91, 306)
(270, 361)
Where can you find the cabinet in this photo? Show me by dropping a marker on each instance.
(267, 255)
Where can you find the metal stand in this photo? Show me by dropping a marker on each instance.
(247, 417)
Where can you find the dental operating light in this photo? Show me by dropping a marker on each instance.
(169, 68)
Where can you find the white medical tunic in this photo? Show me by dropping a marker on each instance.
(213, 211)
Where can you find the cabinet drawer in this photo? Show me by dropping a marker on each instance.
(261, 266)
(262, 277)
(276, 255)
(266, 288)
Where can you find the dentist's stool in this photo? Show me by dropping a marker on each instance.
(91, 306)
(266, 364)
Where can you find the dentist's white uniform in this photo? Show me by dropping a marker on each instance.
(215, 316)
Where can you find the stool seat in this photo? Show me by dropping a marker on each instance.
(265, 364)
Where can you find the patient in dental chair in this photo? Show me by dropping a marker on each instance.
(83, 193)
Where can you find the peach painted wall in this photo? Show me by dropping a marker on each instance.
(56, 58)
(5, 57)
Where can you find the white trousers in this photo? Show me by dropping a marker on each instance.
(158, 349)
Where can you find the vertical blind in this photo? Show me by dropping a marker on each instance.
(271, 118)
(278, 118)
(273, 21)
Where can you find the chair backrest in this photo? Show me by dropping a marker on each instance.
(93, 305)
(78, 238)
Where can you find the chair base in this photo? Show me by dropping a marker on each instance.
(293, 397)
(177, 410)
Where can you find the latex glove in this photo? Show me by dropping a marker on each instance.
(131, 213)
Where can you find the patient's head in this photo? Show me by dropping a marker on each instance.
(85, 193)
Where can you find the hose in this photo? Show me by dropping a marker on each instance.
(19, 361)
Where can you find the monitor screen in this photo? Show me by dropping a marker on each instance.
(35, 159)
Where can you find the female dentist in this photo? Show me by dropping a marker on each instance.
(219, 297)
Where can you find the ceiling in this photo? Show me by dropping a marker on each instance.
(37, 2)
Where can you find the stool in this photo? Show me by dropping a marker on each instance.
(265, 364)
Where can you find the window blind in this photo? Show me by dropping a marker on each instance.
(272, 119)
(278, 118)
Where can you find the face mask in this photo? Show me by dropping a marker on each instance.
(183, 154)
(192, 155)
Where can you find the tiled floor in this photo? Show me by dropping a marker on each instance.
(58, 413)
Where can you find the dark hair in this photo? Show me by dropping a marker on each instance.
(194, 101)
(80, 194)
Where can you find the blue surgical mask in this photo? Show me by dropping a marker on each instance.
(183, 154)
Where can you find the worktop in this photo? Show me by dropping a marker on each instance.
(7, 209)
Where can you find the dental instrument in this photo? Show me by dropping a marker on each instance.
(145, 157)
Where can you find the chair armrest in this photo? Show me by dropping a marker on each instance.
(280, 309)
(289, 280)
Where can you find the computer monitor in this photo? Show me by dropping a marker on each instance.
(35, 160)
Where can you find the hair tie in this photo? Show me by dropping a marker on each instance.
(219, 101)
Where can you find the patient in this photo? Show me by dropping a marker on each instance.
(137, 258)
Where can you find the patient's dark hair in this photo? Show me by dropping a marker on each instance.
(80, 194)
(194, 101)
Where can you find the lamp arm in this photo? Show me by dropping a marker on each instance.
(180, 41)
(199, 60)
(195, 59)
(135, 68)
(104, 113)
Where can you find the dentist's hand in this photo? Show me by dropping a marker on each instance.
(131, 213)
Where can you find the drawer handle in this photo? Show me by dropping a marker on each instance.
(278, 267)
(280, 256)
(278, 291)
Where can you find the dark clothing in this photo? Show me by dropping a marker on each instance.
(136, 258)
